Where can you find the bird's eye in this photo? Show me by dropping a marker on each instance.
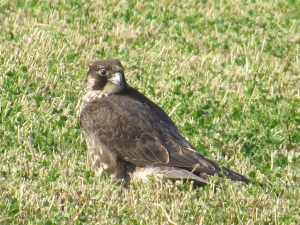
(103, 72)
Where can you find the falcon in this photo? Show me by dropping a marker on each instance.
(129, 136)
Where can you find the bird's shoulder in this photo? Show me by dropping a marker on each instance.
(131, 104)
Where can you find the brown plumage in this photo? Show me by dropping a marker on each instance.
(126, 133)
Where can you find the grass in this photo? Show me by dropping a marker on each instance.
(227, 72)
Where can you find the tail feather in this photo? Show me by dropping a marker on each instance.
(203, 165)
(173, 173)
(234, 176)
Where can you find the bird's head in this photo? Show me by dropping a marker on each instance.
(106, 76)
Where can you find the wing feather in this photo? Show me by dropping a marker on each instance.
(140, 132)
(130, 136)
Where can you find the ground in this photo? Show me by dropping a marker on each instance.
(227, 72)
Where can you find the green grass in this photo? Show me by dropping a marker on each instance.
(227, 72)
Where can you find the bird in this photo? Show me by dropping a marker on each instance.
(131, 138)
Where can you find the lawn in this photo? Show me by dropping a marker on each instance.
(227, 73)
